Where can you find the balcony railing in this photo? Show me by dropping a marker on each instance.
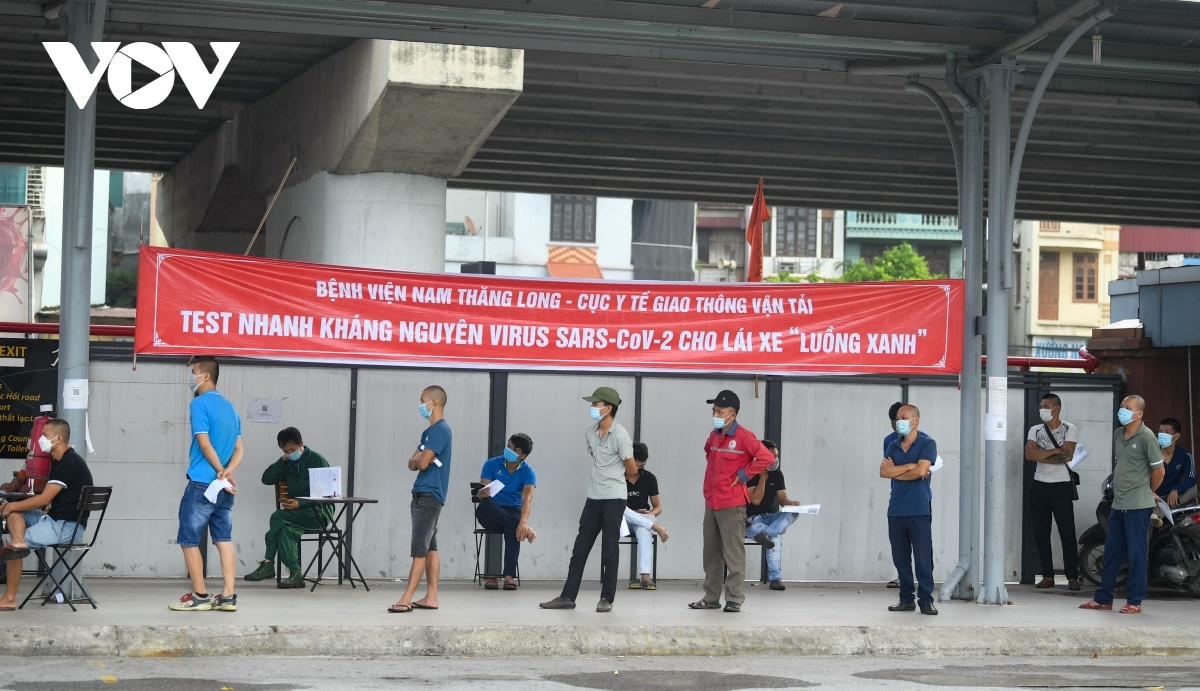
(881, 224)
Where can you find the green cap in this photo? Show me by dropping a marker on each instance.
(606, 394)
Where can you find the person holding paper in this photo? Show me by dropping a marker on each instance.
(733, 455)
(295, 516)
(765, 520)
(1137, 473)
(910, 510)
(431, 461)
(611, 451)
(507, 510)
(1052, 445)
(216, 452)
(1179, 480)
(642, 510)
(48, 518)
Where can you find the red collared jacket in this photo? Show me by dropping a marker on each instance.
(736, 454)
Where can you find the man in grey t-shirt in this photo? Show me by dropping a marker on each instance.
(1137, 472)
(611, 450)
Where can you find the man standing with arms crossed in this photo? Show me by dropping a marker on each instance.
(215, 453)
(611, 449)
(1052, 445)
(1137, 473)
(431, 460)
(910, 510)
(734, 455)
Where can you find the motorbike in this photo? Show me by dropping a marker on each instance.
(1174, 559)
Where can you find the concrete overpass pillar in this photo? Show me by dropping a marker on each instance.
(377, 129)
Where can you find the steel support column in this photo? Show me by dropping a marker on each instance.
(963, 580)
(1000, 80)
(83, 22)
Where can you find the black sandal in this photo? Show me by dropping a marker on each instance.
(732, 607)
(704, 604)
(510, 586)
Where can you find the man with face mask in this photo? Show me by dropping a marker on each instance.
(734, 455)
(910, 511)
(295, 516)
(508, 511)
(1137, 472)
(1179, 481)
(48, 518)
(765, 522)
(1051, 445)
(216, 452)
(611, 450)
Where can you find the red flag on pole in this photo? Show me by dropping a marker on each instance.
(759, 214)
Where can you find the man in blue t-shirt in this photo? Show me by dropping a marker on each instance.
(508, 510)
(431, 460)
(215, 453)
(907, 464)
(893, 411)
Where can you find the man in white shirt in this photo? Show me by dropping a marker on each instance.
(1051, 445)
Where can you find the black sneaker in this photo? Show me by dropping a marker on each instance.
(226, 603)
(903, 607)
(558, 603)
(928, 608)
(603, 606)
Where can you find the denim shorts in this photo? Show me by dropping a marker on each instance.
(425, 512)
(196, 512)
(43, 531)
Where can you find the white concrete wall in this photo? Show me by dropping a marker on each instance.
(614, 237)
(832, 434)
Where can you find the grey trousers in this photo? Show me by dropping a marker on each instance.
(724, 531)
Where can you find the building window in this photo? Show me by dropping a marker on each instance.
(1048, 286)
(796, 232)
(827, 238)
(1085, 277)
(573, 219)
(870, 251)
(937, 258)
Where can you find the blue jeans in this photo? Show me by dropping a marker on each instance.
(196, 512)
(493, 516)
(1128, 538)
(912, 544)
(41, 531)
(774, 525)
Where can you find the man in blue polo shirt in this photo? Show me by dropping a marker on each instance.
(508, 511)
(907, 464)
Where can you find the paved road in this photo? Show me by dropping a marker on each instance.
(608, 674)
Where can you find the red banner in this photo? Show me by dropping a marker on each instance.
(216, 304)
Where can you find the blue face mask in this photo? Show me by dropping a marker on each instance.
(1125, 415)
(718, 422)
(511, 456)
(903, 427)
(1164, 439)
(295, 455)
(595, 413)
(425, 411)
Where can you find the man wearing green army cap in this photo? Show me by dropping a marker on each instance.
(611, 450)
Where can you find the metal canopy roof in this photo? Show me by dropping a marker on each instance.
(695, 99)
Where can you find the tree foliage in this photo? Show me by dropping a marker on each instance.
(121, 287)
(899, 263)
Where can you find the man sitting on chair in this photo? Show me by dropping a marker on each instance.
(30, 528)
(642, 510)
(295, 516)
(765, 519)
(508, 511)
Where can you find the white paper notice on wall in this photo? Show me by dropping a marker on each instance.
(75, 394)
(325, 482)
(995, 427)
(269, 410)
(997, 395)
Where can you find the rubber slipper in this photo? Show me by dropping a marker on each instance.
(893, 584)
(8, 609)
(10, 553)
(418, 605)
(1092, 604)
(510, 586)
(702, 604)
(649, 586)
(400, 609)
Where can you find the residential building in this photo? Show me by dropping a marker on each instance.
(798, 240)
(1149, 247)
(540, 234)
(1061, 270)
(937, 238)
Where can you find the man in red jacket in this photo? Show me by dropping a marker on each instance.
(734, 456)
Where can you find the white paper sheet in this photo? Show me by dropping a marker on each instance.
(437, 461)
(937, 465)
(1162, 505)
(325, 482)
(215, 488)
(624, 529)
(1081, 453)
(803, 508)
(494, 487)
(75, 394)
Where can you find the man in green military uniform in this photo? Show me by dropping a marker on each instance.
(296, 515)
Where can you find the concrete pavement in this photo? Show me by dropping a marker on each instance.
(806, 619)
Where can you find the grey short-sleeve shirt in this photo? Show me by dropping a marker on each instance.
(608, 461)
(1136, 458)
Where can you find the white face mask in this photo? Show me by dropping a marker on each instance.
(1046, 414)
(45, 444)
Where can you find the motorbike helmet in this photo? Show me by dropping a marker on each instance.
(1108, 488)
